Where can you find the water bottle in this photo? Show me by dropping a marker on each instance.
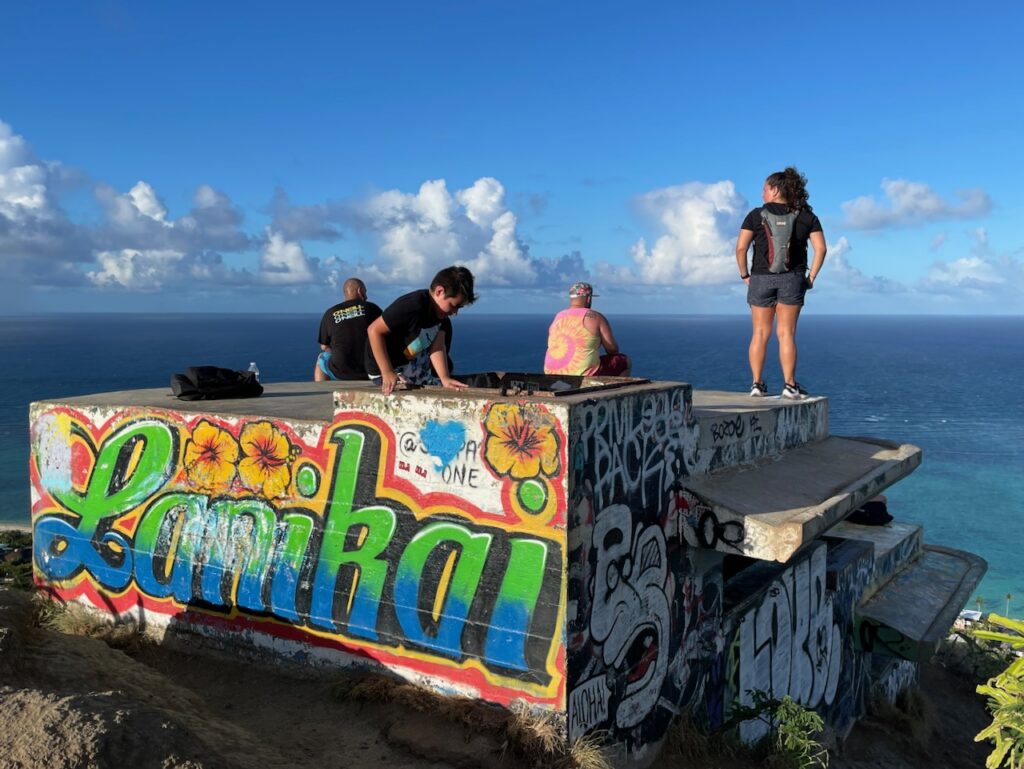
(255, 369)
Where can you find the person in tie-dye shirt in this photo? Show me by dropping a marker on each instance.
(576, 336)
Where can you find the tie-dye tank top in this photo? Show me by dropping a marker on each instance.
(572, 349)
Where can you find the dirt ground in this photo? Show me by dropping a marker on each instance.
(70, 702)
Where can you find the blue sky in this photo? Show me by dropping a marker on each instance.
(233, 157)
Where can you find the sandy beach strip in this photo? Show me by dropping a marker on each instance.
(13, 526)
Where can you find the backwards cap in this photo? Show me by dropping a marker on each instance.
(581, 291)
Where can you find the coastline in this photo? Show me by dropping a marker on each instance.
(8, 526)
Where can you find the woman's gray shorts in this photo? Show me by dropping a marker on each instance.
(784, 288)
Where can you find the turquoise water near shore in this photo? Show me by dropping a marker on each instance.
(951, 385)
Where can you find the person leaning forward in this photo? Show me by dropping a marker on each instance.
(343, 335)
(575, 337)
(407, 343)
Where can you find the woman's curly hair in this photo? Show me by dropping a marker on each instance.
(793, 186)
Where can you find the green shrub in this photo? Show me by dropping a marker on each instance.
(15, 538)
(19, 575)
(1005, 694)
(794, 727)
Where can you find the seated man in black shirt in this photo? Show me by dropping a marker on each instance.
(410, 335)
(343, 335)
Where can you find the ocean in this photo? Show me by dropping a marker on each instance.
(952, 385)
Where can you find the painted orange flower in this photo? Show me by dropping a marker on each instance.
(266, 466)
(521, 442)
(210, 456)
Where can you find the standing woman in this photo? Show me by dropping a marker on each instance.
(778, 275)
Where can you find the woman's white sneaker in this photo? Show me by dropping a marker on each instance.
(794, 391)
(758, 390)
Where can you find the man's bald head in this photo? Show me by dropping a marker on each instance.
(354, 289)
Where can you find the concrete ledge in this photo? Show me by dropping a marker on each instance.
(894, 545)
(735, 429)
(914, 612)
(305, 401)
(785, 503)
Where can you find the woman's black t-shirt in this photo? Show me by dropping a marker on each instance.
(806, 222)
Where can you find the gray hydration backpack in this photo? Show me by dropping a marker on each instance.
(779, 229)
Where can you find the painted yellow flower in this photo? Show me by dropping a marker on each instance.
(210, 456)
(266, 465)
(521, 442)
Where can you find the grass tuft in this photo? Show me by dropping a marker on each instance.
(696, 746)
(534, 733)
(74, 619)
(370, 687)
(535, 736)
(587, 752)
(911, 714)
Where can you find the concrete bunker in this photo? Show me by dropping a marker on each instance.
(618, 552)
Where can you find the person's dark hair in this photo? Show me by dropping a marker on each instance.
(455, 280)
(793, 186)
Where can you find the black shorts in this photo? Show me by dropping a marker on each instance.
(783, 288)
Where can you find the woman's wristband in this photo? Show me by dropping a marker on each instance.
(744, 277)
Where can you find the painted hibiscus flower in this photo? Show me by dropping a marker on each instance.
(266, 466)
(210, 456)
(521, 443)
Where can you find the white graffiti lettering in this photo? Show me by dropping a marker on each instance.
(790, 644)
(630, 445)
(630, 616)
(588, 706)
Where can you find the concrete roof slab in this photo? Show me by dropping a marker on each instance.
(915, 610)
(785, 502)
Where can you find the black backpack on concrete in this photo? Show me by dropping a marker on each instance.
(208, 383)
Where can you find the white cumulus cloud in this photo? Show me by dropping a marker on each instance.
(420, 233)
(967, 272)
(908, 202)
(39, 245)
(284, 263)
(838, 269)
(144, 199)
(700, 223)
(980, 276)
(146, 270)
(138, 219)
(158, 269)
(24, 180)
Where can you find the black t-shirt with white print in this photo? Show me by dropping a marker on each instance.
(343, 329)
(413, 324)
(805, 223)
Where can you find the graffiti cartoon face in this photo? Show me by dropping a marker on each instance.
(630, 615)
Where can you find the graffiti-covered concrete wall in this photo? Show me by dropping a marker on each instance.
(644, 616)
(431, 541)
(538, 549)
(729, 436)
(791, 633)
